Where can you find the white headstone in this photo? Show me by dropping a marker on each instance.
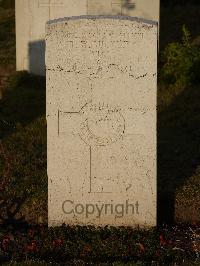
(101, 121)
(31, 16)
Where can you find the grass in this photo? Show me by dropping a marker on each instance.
(24, 100)
(23, 130)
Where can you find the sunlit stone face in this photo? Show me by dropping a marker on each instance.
(101, 121)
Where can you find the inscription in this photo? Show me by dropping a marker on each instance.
(50, 3)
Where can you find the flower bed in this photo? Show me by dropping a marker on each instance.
(63, 244)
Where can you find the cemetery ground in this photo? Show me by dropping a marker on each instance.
(7, 44)
(23, 183)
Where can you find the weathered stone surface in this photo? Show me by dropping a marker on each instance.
(101, 115)
(31, 16)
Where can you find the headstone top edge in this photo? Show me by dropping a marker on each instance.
(89, 17)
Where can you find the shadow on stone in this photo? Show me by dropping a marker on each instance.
(37, 57)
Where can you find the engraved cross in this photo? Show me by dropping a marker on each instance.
(50, 4)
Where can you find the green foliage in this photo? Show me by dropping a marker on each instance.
(172, 19)
(186, 37)
(181, 63)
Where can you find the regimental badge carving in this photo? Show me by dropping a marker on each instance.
(101, 125)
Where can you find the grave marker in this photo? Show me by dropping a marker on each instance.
(101, 121)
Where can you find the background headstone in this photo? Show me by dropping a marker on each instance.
(31, 16)
(136, 8)
(101, 121)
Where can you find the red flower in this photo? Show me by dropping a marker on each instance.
(57, 242)
(157, 253)
(42, 229)
(162, 240)
(87, 249)
(5, 243)
(142, 249)
(31, 233)
(32, 246)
